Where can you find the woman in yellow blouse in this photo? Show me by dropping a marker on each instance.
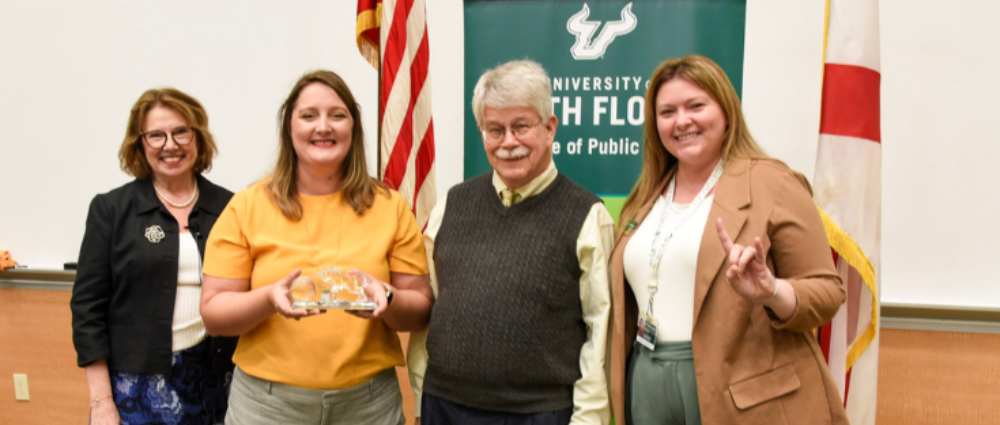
(318, 208)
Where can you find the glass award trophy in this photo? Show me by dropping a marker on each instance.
(330, 289)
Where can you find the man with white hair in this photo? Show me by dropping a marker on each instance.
(518, 263)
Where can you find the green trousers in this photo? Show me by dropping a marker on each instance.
(662, 387)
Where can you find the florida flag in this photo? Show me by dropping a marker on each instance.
(392, 35)
(848, 192)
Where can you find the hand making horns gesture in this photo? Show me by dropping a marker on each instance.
(748, 273)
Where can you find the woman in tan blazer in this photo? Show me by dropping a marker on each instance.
(714, 219)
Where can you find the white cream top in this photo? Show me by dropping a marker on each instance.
(673, 306)
(188, 328)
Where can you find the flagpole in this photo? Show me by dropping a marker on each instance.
(379, 10)
(378, 108)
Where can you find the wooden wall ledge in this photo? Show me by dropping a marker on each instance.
(922, 311)
(941, 318)
(53, 280)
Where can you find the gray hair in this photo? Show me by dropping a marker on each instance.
(513, 84)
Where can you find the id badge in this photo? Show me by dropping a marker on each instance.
(647, 331)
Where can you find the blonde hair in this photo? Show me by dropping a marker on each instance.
(359, 188)
(657, 161)
(132, 153)
(515, 83)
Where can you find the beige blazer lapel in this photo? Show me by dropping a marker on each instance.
(732, 194)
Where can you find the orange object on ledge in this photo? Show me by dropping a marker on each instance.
(5, 261)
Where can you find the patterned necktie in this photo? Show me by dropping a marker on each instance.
(509, 197)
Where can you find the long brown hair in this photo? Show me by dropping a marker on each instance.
(359, 188)
(132, 153)
(657, 161)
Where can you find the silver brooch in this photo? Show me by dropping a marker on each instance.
(154, 233)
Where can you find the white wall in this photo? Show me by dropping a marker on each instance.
(447, 33)
(782, 78)
(72, 70)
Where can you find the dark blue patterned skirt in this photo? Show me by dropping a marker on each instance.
(189, 395)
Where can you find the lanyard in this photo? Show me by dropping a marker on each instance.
(663, 236)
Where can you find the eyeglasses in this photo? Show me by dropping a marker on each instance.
(156, 139)
(518, 130)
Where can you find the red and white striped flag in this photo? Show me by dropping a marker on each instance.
(407, 127)
(848, 191)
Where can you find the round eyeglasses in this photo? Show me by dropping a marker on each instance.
(156, 138)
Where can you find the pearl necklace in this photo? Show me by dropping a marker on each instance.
(167, 200)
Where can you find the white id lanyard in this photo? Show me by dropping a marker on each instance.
(647, 323)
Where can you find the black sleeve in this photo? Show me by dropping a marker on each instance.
(92, 288)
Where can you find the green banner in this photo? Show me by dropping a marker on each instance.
(599, 55)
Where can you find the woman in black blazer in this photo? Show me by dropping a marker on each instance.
(136, 325)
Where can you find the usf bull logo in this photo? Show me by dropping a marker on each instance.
(587, 47)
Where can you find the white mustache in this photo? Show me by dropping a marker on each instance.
(516, 153)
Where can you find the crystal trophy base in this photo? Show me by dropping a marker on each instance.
(334, 305)
(330, 289)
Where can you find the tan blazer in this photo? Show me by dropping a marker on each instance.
(750, 367)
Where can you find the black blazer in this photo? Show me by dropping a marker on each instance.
(123, 297)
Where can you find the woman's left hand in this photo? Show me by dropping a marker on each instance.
(374, 290)
(748, 273)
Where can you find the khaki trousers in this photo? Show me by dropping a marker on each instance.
(254, 401)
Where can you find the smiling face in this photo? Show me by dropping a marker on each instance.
(518, 160)
(690, 123)
(321, 128)
(172, 160)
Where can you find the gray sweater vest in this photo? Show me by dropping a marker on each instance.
(507, 327)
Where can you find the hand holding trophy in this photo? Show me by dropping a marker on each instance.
(331, 288)
(374, 290)
(281, 298)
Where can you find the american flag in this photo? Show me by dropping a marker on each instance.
(848, 191)
(406, 146)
